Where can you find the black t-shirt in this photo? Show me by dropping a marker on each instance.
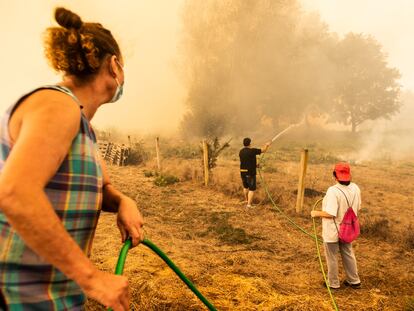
(248, 159)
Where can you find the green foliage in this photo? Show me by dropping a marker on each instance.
(214, 149)
(163, 180)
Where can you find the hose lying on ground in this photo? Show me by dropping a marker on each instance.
(314, 236)
(121, 263)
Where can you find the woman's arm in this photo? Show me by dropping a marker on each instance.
(129, 220)
(321, 214)
(48, 123)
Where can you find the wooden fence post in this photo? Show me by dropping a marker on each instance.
(205, 161)
(157, 150)
(301, 184)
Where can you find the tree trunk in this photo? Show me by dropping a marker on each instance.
(353, 123)
(353, 127)
(307, 123)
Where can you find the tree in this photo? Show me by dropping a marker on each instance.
(366, 87)
(248, 61)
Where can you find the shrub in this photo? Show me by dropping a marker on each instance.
(148, 173)
(214, 149)
(137, 154)
(163, 180)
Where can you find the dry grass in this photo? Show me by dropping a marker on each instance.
(252, 259)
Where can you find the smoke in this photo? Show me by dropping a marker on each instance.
(389, 139)
(252, 65)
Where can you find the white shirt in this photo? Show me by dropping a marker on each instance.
(335, 204)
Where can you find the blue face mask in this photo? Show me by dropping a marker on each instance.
(119, 89)
(118, 92)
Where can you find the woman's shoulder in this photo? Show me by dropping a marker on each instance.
(50, 101)
(47, 109)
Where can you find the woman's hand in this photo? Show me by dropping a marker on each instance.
(130, 221)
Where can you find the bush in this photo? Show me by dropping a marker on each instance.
(163, 180)
(137, 154)
(149, 173)
(214, 149)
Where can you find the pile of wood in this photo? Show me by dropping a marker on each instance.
(114, 153)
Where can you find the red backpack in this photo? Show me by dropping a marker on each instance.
(349, 227)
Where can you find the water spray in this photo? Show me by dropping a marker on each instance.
(286, 129)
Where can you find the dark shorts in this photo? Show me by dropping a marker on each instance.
(249, 181)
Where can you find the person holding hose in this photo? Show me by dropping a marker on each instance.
(248, 165)
(339, 197)
(53, 185)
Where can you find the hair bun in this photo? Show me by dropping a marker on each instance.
(67, 19)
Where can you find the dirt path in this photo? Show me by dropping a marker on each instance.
(239, 259)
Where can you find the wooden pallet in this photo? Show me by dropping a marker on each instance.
(114, 153)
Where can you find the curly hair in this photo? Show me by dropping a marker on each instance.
(78, 48)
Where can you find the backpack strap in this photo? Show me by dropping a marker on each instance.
(349, 205)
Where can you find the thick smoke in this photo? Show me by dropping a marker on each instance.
(255, 66)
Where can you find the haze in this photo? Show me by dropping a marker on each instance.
(149, 35)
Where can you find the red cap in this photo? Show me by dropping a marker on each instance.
(343, 172)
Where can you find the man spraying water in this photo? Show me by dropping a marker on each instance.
(248, 164)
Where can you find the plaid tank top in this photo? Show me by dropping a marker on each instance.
(27, 282)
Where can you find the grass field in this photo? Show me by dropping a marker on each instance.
(253, 259)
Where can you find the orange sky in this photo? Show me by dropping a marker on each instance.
(148, 32)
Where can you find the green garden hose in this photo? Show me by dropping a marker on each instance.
(314, 236)
(320, 259)
(290, 220)
(121, 263)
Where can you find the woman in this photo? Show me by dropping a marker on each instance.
(52, 182)
(338, 198)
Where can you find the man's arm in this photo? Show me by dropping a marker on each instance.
(47, 127)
